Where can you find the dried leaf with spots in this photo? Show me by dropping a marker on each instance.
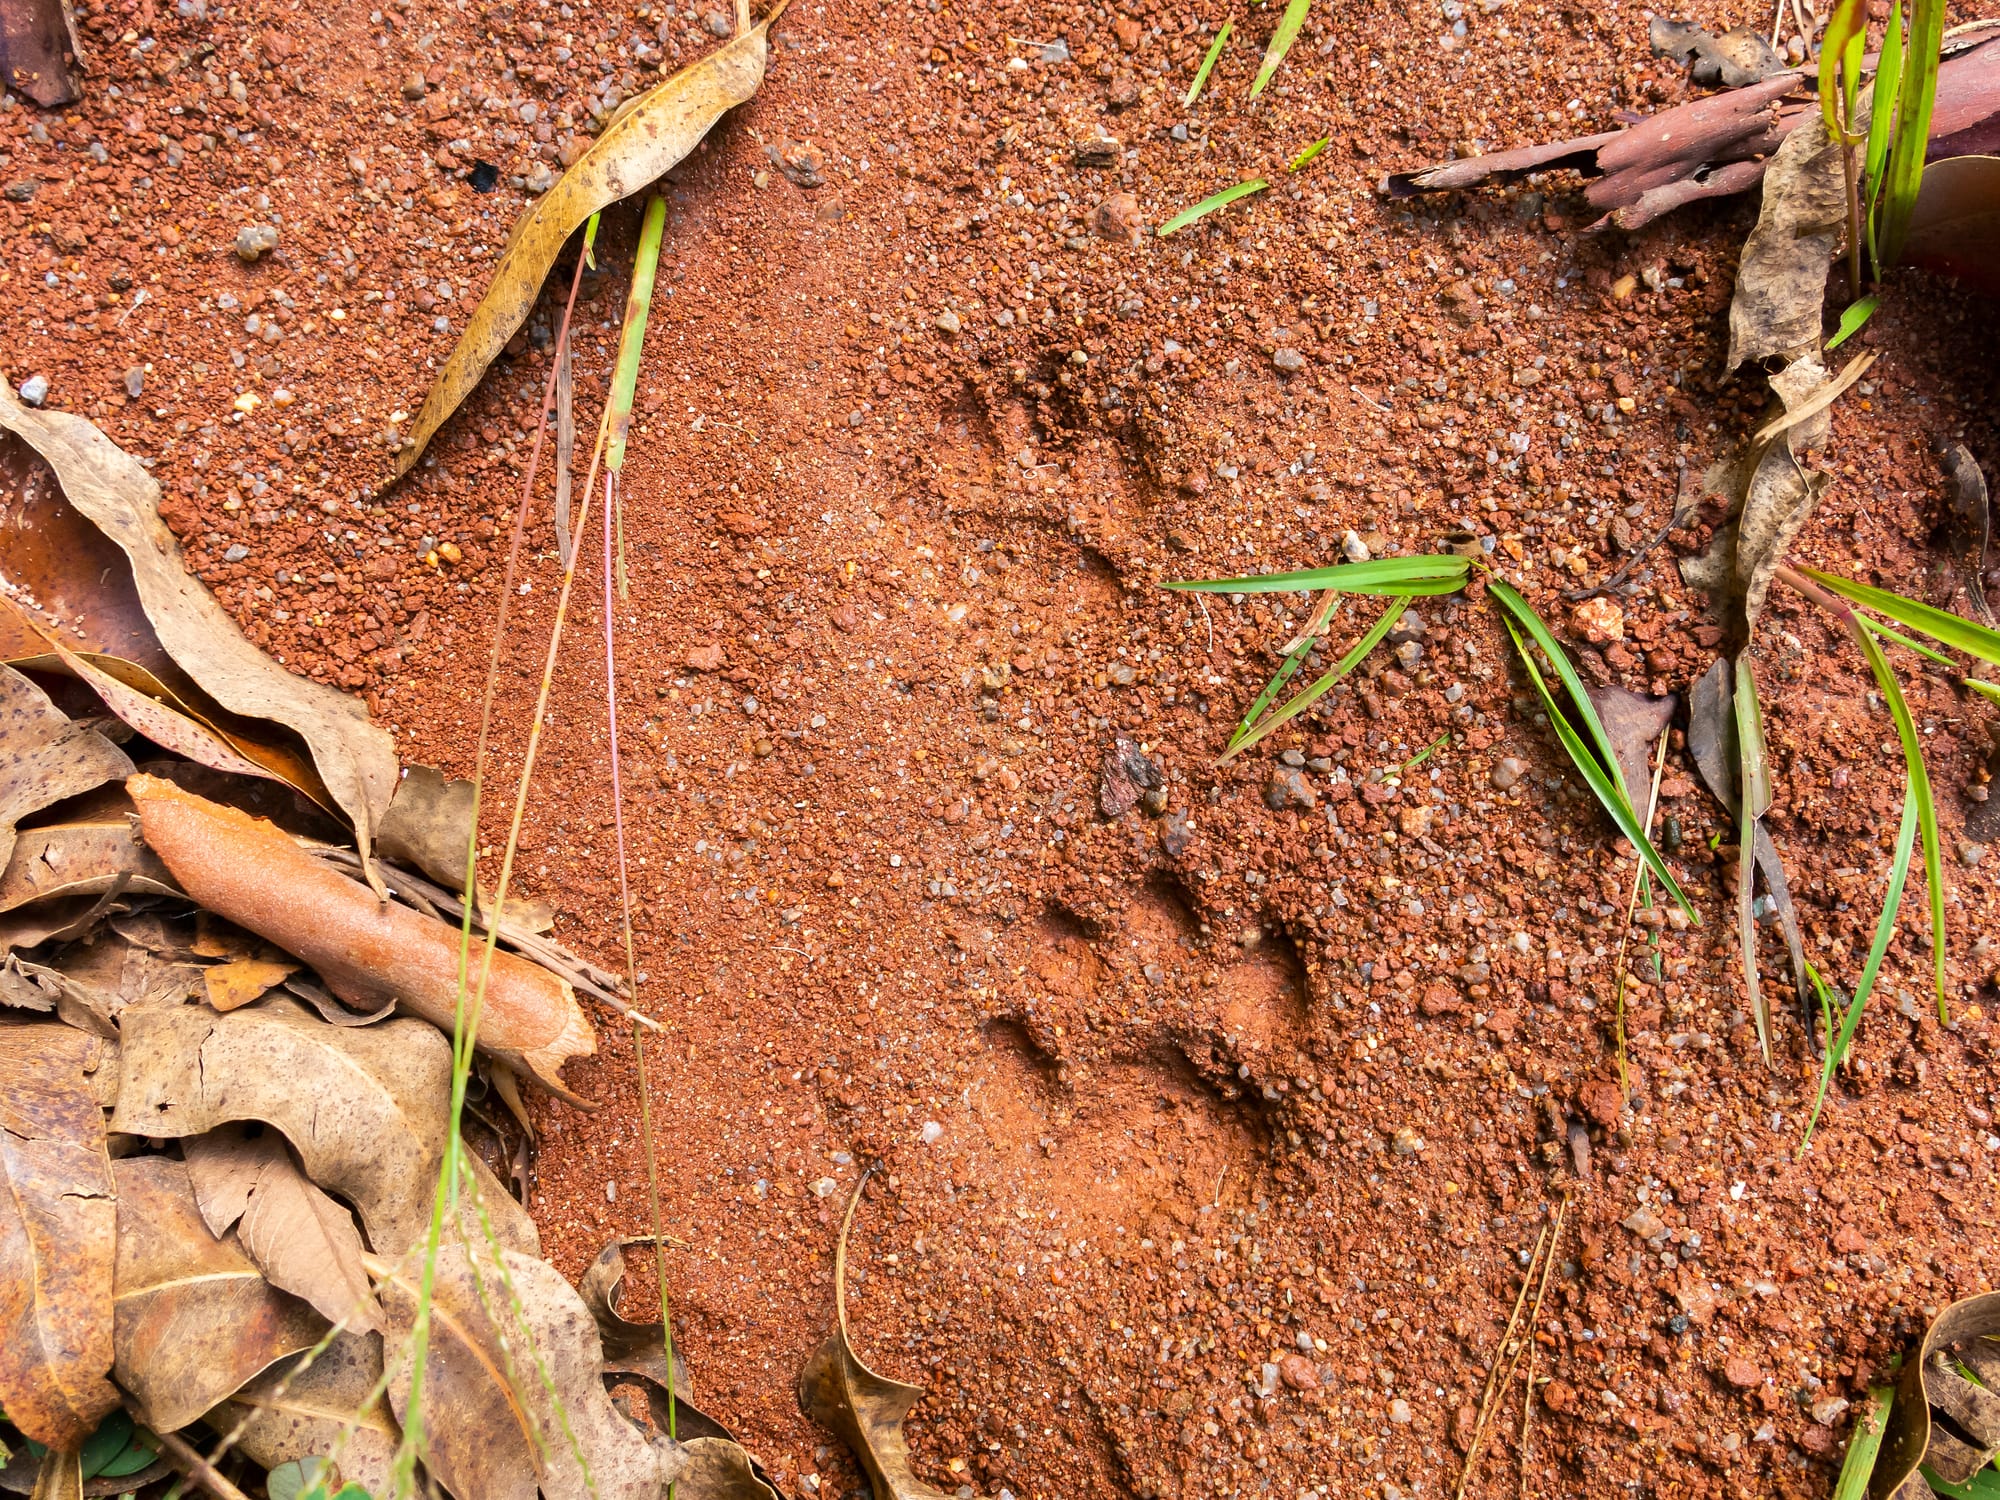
(45, 756)
(242, 980)
(1781, 281)
(1633, 721)
(1773, 494)
(649, 135)
(364, 950)
(58, 1227)
(493, 1428)
(291, 1413)
(303, 1241)
(429, 825)
(83, 858)
(364, 1107)
(96, 980)
(354, 759)
(867, 1410)
(195, 1320)
(1734, 60)
(718, 1468)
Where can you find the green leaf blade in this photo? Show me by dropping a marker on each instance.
(1305, 700)
(1308, 154)
(1210, 204)
(1851, 318)
(1208, 63)
(1607, 786)
(1281, 42)
(1920, 794)
(1518, 609)
(1940, 625)
(1866, 1443)
(1441, 573)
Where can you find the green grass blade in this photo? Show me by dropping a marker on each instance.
(1885, 928)
(1518, 608)
(1865, 1445)
(1940, 625)
(1930, 653)
(1308, 154)
(1983, 1485)
(632, 340)
(1208, 63)
(1281, 42)
(1305, 700)
(1904, 172)
(1838, 60)
(1754, 784)
(1920, 793)
(1984, 689)
(1607, 785)
(1211, 203)
(1439, 574)
(1885, 96)
(1424, 754)
(1851, 319)
(1286, 670)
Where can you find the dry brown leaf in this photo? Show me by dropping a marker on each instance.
(720, 1469)
(86, 857)
(1633, 721)
(1781, 281)
(97, 980)
(867, 1410)
(364, 1107)
(429, 825)
(59, 1478)
(58, 1222)
(366, 951)
(294, 1415)
(1966, 1335)
(303, 1241)
(492, 1428)
(195, 1320)
(40, 55)
(355, 759)
(629, 1348)
(653, 132)
(45, 756)
(243, 980)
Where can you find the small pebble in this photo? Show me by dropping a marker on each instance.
(414, 87)
(35, 389)
(1353, 548)
(1399, 1412)
(135, 381)
(1288, 787)
(254, 241)
(1508, 773)
(931, 1131)
(718, 24)
(947, 322)
(1970, 853)
(1289, 360)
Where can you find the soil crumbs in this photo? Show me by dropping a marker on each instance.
(1219, 1108)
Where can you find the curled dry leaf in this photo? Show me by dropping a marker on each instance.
(429, 825)
(1781, 282)
(1968, 518)
(1967, 1334)
(58, 1225)
(493, 1429)
(242, 980)
(646, 138)
(95, 981)
(195, 1320)
(290, 1413)
(867, 1410)
(720, 1469)
(45, 756)
(366, 951)
(303, 1241)
(1734, 60)
(354, 759)
(638, 1350)
(364, 1107)
(1773, 494)
(88, 857)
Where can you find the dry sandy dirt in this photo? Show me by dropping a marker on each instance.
(1283, 1058)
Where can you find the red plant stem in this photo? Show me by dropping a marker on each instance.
(1799, 583)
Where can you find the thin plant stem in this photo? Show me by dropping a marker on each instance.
(1631, 908)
